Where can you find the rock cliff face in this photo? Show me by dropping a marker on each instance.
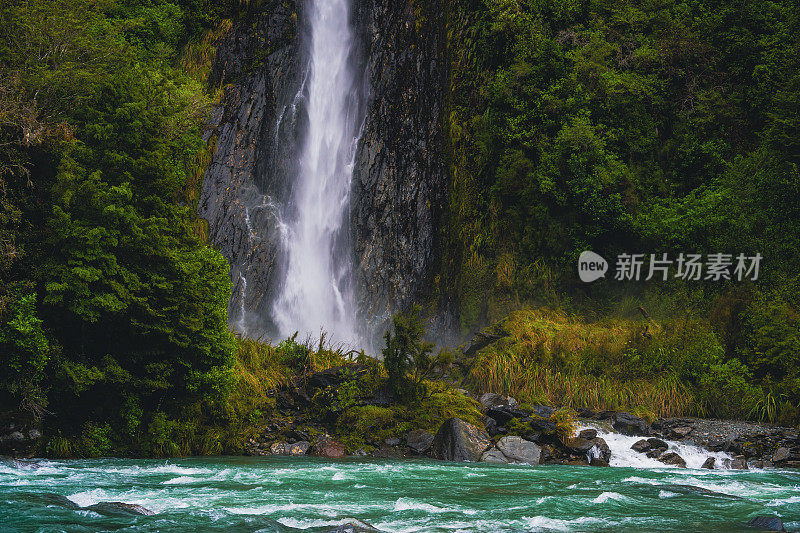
(399, 180)
(257, 126)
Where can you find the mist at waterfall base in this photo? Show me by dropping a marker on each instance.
(316, 292)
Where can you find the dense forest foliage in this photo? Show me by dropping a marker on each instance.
(661, 126)
(631, 127)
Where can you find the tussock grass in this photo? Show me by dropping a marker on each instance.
(552, 357)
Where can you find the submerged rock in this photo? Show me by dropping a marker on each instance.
(356, 526)
(767, 523)
(672, 458)
(49, 498)
(119, 508)
(520, 450)
(419, 440)
(458, 440)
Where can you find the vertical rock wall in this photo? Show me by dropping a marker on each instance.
(400, 179)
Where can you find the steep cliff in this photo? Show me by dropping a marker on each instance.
(257, 125)
(400, 180)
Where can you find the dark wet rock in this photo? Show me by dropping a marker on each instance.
(543, 426)
(600, 450)
(605, 415)
(580, 445)
(657, 443)
(543, 411)
(596, 461)
(709, 463)
(655, 453)
(673, 459)
(739, 463)
(500, 415)
(767, 523)
(493, 455)
(588, 434)
(18, 441)
(491, 425)
(586, 413)
(641, 446)
(519, 450)
(119, 509)
(328, 448)
(631, 425)
(692, 489)
(49, 498)
(458, 440)
(297, 448)
(419, 440)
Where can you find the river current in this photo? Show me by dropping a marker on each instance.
(284, 494)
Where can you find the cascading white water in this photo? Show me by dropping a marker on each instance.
(316, 294)
(623, 455)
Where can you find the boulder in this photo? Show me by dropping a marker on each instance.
(657, 443)
(767, 523)
(588, 434)
(583, 412)
(672, 458)
(543, 411)
(519, 450)
(596, 461)
(630, 425)
(491, 425)
(419, 440)
(328, 448)
(781, 454)
(490, 399)
(392, 441)
(277, 448)
(709, 463)
(493, 455)
(600, 451)
(458, 440)
(500, 415)
(580, 445)
(680, 432)
(119, 509)
(739, 463)
(641, 446)
(298, 448)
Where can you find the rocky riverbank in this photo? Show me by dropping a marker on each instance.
(534, 434)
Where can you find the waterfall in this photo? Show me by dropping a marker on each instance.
(316, 293)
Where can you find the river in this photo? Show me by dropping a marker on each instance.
(284, 494)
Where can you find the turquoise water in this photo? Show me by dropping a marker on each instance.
(289, 494)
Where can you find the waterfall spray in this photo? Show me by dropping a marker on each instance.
(317, 291)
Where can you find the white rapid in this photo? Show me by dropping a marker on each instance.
(317, 292)
(623, 455)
